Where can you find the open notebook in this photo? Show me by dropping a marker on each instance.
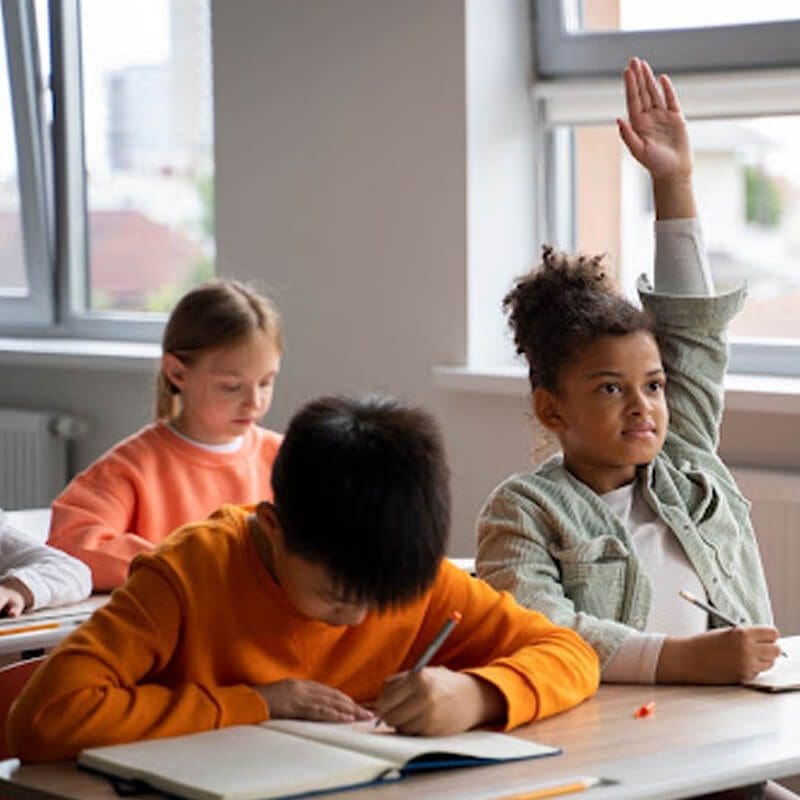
(283, 758)
(784, 674)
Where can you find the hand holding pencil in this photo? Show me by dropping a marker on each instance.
(436, 701)
(719, 656)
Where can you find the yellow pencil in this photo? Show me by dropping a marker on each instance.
(557, 790)
(42, 626)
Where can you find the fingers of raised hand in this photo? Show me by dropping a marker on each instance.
(651, 87)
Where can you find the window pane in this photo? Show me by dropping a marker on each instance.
(747, 180)
(13, 280)
(148, 150)
(635, 15)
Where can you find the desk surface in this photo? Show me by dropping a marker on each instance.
(699, 739)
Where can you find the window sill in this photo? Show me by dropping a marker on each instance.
(764, 394)
(80, 354)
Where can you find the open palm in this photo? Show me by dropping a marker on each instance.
(655, 131)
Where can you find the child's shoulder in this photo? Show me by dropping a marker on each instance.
(546, 477)
(211, 542)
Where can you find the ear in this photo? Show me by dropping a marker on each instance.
(174, 369)
(268, 521)
(548, 410)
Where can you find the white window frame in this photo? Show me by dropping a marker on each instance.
(730, 71)
(53, 188)
(34, 176)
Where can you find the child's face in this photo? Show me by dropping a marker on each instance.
(310, 589)
(225, 391)
(308, 586)
(610, 410)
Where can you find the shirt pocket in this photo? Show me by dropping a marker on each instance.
(593, 575)
(719, 521)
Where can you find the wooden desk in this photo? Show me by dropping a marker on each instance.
(698, 740)
(35, 523)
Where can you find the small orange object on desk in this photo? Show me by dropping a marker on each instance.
(646, 710)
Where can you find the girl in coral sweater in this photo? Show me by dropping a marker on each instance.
(221, 353)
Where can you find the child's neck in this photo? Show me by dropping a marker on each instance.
(601, 480)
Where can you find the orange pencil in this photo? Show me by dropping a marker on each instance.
(42, 626)
(557, 790)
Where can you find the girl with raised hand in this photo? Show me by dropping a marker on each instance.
(638, 505)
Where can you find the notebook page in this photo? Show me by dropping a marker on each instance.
(784, 674)
(398, 749)
(244, 762)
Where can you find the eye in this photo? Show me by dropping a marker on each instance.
(610, 388)
(231, 387)
(655, 386)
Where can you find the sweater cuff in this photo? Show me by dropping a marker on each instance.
(522, 702)
(710, 313)
(636, 659)
(239, 705)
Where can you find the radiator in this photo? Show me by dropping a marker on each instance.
(34, 456)
(776, 518)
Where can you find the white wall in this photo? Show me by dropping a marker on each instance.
(344, 185)
(341, 156)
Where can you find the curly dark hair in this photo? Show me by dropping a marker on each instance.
(562, 305)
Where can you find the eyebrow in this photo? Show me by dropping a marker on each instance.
(610, 373)
(233, 374)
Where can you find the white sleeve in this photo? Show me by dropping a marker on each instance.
(635, 660)
(54, 578)
(681, 266)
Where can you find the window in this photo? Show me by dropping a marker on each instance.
(119, 222)
(745, 128)
(13, 277)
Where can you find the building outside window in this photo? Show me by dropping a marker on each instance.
(124, 193)
(745, 130)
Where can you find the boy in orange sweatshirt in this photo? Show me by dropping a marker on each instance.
(309, 608)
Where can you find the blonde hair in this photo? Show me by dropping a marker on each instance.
(216, 314)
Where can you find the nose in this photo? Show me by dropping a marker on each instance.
(638, 403)
(252, 397)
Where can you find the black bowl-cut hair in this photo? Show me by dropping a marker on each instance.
(362, 487)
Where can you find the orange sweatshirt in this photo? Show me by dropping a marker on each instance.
(148, 485)
(201, 621)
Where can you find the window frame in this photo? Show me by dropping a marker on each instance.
(34, 175)
(53, 189)
(565, 96)
(561, 53)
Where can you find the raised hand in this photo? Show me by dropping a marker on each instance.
(297, 699)
(655, 131)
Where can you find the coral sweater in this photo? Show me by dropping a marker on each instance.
(148, 485)
(201, 621)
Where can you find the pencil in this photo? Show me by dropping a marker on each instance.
(42, 626)
(557, 790)
(438, 641)
(433, 647)
(711, 610)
